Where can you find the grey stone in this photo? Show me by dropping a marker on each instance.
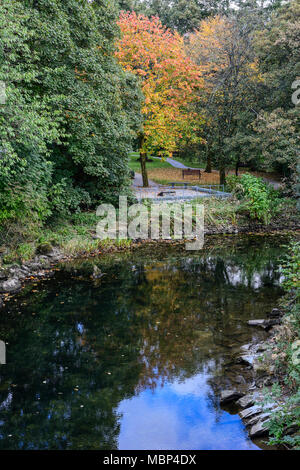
(273, 322)
(228, 396)
(240, 379)
(252, 386)
(246, 401)
(3, 250)
(262, 366)
(97, 274)
(292, 428)
(265, 324)
(24, 269)
(261, 347)
(257, 410)
(11, 285)
(35, 266)
(45, 261)
(249, 412)
(56, 254)
(257, 418)
(14, 266)
(269, 381)
(247, 359)
(258, 429)
(246, 347)
(40, 274)
(261, 323)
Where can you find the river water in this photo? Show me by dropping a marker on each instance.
(136, 358)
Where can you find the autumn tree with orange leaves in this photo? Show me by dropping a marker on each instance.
(169, 81)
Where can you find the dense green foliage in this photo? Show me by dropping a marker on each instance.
(287, 349)
(181, 15)
(262, 200)
(185, 15)
(253, 63)
(71, 112)
(270, 138)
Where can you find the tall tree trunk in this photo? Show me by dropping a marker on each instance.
(143, 157)
(208, 162)
(222, 175)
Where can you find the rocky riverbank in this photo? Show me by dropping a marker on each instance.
(252, 228)
(255, 370)
(14, 276)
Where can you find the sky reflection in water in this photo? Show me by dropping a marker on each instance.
(134, 360)
(179, 416)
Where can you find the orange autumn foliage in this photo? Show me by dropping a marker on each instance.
(170, 80)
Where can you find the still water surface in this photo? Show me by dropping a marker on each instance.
(136, 358)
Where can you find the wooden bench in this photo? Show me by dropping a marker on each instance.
(191, 171)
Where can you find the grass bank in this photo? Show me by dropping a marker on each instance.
(76, 234)
(73, 236)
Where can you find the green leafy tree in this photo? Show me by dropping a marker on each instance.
(278, 126)
(222, 47)
(27, 126)
(71, 111)
(183, 15)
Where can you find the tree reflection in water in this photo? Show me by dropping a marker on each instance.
(79, 350)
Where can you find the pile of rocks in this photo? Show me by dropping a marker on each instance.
(257, 358)
(252, 413)
(274, 319)
(13, 276)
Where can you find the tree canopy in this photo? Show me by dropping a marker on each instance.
(180, 15)
(169, 80)
(71, 111)
(222, 49)
(278, 50)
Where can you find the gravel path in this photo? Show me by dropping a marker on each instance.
(138, 181)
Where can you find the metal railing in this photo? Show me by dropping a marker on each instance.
(181, 191)
(214, 187)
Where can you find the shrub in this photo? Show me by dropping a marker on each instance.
(262, 199)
